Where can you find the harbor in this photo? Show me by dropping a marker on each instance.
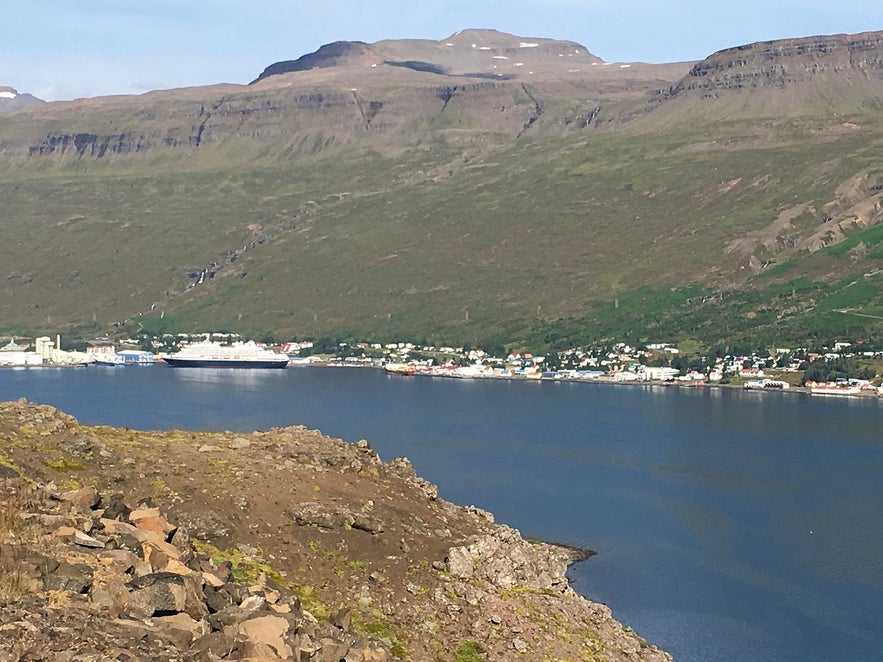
(661, 364)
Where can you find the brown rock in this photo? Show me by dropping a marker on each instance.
(333, 649)
(115, 527)
(157, 551)
(270, 631)
(121, 560)
(211, 579)
(85, 540)
(112, 595)
(64, 532)
(161, 592)
(180, 628)
(215, 646)
(150, 519)
(85, 498)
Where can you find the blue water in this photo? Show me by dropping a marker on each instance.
(730, 525)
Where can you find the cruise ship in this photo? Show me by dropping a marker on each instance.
(207, 354)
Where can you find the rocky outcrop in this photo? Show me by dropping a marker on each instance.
(505, 560)
(783, 63)
(280, 544)
(329, 55)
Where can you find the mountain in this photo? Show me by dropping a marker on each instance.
(11, 100)
(482, 188)
(468, 53)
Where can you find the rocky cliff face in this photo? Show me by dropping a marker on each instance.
(279, 545)
(476, 86)
(784, 63)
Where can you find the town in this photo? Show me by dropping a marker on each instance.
(841, 369)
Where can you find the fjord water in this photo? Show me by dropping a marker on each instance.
(729, 525)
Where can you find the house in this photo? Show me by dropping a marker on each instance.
(658, 374)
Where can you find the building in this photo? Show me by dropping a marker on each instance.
(16, 355)
(136, 357)
(659, 374)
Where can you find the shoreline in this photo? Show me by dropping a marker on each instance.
(601, 381)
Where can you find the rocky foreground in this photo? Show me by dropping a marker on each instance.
(277, 545)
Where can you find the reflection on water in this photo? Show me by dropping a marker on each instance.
(227, 376)
(731, 525)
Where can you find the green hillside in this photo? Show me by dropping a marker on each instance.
(746, 216)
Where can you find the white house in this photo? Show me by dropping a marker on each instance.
(659, 374)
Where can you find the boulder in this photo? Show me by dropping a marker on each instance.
(204, 525)
(181, 629)
(85, 498)
(150, 519)
(85, 540)
(215, 646)
(76, 578)
(459, 563)
(157, 593)
(272, 631)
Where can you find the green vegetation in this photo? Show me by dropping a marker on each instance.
(823, 371)
(383, 629)
(871, 237)
(66, 465)
(469, 651)
(246, 569)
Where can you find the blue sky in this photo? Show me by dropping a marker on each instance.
(63, 49)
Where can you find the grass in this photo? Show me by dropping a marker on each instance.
(379, 627)
(9, 520)
(15, 584)
(469, 651)
(247, 569)
(871, 237)
(65, 465)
